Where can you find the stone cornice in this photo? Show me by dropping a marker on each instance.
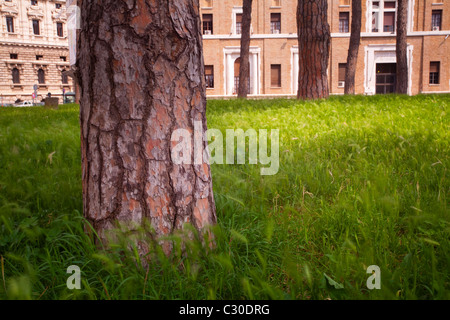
(9, 8)
(34, 45)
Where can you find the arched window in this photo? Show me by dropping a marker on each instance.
(16, 76)
(41, 76)
(64, 78)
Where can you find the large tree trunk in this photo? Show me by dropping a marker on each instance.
(244, 69)
(355, 39)
(401, 48)
(141, 75)
(314, 49)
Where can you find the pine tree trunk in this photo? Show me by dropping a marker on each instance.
(355, 39)
(314, 49)
(141, 75)
(401, 48)
(244, 69)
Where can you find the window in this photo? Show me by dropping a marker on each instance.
(39, 57)
(10, 24)
(62, 58)
(383, 14)
(41, 76)
(209, 76)
(343, 21)
(15, 76)
(58, 5)
(275, 75)
(59, 29)
(434, 72)
(341, 76)
(64, 78)
(436, 18)
(34, 2)
(36, 29)
(238, 23)
(389, 22)
(275, 23)
(13, 56)
(207, 24)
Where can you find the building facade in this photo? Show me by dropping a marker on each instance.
(274, 46)
(34, 50)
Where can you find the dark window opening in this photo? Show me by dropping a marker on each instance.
(238, 23)
(16, 76)
(341, 75)
(36, 29)
(344, 22)
(434, 72)
(209, 76)
(13, 56)
(436, 20)
(41, 76)
(275, 23)
(64, 77)
(59, 29)
(275, 75)
(207, 24)
(10, 24)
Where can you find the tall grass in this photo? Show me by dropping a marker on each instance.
(362, 181)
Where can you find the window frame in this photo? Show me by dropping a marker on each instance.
(209, 78)
(434, 12)
(41, 76)
(60, 27)
(347, 26)
(275, 24)
(36, 27)
(9, 24)
(15, 72)
(381, 11)
(279, 84)
(207, 25)
(434, 77)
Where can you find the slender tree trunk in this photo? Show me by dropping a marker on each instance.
(314, 49)
(355, 39)
(401, 48)
(141, 75)
(244, 69)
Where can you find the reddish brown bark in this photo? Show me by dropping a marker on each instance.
(401, 47)
(314, 49)
(141, 76)
(244, 69)
(355, 39)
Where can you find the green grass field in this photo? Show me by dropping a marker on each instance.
(362, 181)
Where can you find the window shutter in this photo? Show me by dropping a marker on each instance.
(275, 77)
(342, 67)
(434, 66)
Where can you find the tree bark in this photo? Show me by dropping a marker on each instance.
(401, 48)
(244, 68)
(314, 49)
(355, 40)
(141, 75)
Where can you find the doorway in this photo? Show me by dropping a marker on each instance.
(386, 77)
